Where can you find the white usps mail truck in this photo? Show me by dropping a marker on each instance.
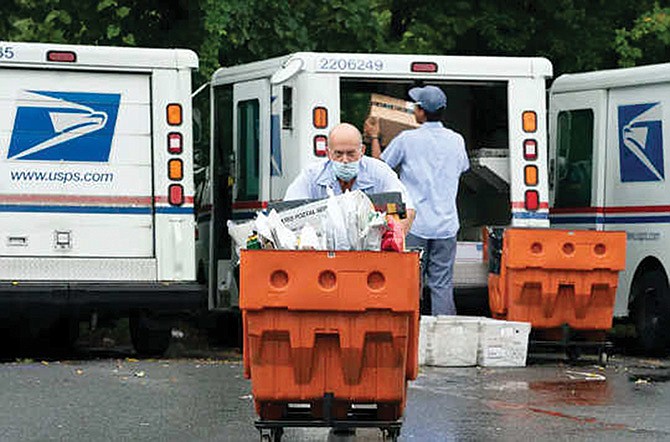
(608, 162)
(271, 118)
(96, 186)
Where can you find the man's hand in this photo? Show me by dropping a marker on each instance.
(371, 127)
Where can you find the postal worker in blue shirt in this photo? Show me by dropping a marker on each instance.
(430, 160)
(347, 168)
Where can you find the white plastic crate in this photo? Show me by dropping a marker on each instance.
(469, 251)
(503, 343)
(448, 341)
(425, 337)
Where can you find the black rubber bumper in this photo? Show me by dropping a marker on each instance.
(103, 296)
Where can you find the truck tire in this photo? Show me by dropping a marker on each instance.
(150, 337)
(651, 311)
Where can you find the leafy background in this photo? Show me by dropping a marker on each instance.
(576, 35)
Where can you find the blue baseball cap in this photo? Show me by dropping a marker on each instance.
(430, 98)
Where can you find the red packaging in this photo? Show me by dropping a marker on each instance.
(393, 240)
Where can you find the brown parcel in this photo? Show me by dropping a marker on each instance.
(394, 115)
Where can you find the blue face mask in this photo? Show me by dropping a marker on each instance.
(346, 171)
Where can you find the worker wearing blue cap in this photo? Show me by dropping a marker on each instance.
(430, 160)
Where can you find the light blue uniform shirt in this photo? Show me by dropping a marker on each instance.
(431, 159)
(374, 176)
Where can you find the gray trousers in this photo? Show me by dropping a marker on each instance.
(437, 268)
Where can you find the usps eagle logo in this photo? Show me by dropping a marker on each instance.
(641, 142)
(64, 126)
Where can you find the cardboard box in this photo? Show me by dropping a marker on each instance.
(426, 327)
(394, 115)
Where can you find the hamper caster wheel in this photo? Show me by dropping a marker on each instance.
(573, 353)
(391, 434)
(603, 357)
(276, 434)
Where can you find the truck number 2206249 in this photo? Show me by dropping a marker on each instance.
(343, 64)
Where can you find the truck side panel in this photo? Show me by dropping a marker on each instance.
(637, 193)
(76, 164)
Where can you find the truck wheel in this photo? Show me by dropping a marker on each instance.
(651, 311)
(150, 337)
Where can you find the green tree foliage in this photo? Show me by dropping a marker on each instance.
(244, 30)
(102, 22)
(648, 39)
(575, 35)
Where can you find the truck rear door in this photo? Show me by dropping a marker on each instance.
(251, 135)
(75, 164)
(250, 165)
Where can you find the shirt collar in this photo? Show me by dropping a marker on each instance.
(431, 124)
(326, 177)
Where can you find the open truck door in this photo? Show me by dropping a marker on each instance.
(241, 176)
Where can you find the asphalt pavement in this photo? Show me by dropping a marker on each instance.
(108, 395)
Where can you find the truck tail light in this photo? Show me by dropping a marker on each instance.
(320, 145)
(175, 143)
(530, 150)
(423, 66)
(529, 121)
(532, 200)
(174, 116)
(530, 175)
(62, 56)
(175, 169)
(176, 194)
(320, 117)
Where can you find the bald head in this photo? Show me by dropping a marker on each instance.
(345, 143)
(345, 132)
